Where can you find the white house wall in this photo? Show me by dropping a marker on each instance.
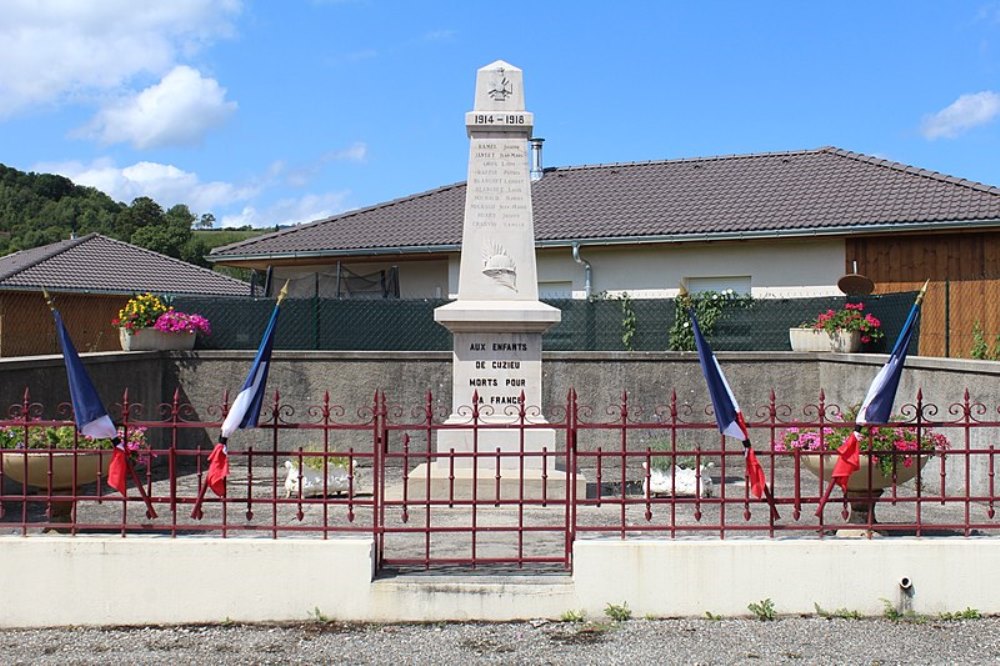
(776, 268)
(784, 268)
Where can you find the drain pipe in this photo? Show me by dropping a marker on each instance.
(588, 272)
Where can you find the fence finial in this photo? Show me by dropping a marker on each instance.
(48, 299)
(283, 293)
(923, 291)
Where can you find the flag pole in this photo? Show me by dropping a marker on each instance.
(859, 428)
(727, 411)
(220, 448)
(116, 441)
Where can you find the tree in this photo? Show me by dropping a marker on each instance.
(144, 212)
(207, 221)
(169, 236)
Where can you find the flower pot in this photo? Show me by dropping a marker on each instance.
(681, 481)
(32, 469)
(310, 481)
(859, 480)
(818, 340)
(150, 339)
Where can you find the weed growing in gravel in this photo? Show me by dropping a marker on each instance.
(967, 614)
(840, 613)
(890, 612)
(573, 616)
(316, 615)
(712, 616)
(618, 613)
(587, 634)
(762, 610)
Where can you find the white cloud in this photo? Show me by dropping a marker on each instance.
(302, 174)
(290, 211)
(165, 183)
(58, 50)
(968, 111)
(178, 110)
(356, 152)
(438, 35)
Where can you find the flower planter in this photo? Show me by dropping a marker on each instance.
(860, 495)
(150, 339)
(859, 480)
(680, 482)
(36, 472)
(310, 481)
(818, 340)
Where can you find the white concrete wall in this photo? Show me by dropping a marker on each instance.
(86, 580)
(89, 580)
(688, 578)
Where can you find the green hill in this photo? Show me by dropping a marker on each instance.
(41, 208)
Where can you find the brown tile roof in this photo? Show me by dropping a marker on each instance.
(95, 263)
(827, 190)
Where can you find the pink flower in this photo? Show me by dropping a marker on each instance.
(180, 322)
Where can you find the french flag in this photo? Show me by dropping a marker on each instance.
(727, 412)
(88, 411)
(245, 410)
(877, 405)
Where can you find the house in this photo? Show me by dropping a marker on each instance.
(90, 279)
(774, 225)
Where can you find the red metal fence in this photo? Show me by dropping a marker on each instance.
(622, 471)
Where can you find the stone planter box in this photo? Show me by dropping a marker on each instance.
(150, 339)
(818, 340)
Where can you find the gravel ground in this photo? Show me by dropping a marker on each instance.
(696, 641)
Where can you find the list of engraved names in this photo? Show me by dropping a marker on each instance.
(497, 190)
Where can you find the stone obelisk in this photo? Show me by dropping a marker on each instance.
(497, 320)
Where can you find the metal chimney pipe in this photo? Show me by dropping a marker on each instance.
(536, 159)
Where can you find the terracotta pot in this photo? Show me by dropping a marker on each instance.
(150, 339)
(859, 480)
(87, 464)
(818, 340)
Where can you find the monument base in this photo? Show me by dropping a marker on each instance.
(448, 483)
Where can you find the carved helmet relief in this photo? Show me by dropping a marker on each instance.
(498, 265)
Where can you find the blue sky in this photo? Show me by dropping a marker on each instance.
(278, 112)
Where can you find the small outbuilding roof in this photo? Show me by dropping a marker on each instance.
(98, 264)
(799, 193)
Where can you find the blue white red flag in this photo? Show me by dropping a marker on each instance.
(89, 413)
(877, 405)
(727, 412)
(246, 407)
(88, 410)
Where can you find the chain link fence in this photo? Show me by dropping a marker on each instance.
(599, 325)
(408, 325)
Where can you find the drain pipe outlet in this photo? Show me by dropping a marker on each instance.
(588, 272)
